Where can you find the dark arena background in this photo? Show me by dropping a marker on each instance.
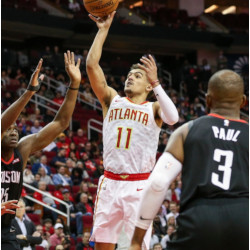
(190, 40)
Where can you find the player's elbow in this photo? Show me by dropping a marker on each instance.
(91, 63)
(158, 183)
(174, 120)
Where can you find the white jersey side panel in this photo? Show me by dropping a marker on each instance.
(130, 137)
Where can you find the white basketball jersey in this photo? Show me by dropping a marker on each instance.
(130, 137)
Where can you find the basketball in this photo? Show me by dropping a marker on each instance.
(100, 8)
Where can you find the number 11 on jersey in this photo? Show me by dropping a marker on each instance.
(119, 136)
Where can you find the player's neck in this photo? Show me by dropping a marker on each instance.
(137, 99)
(229, 114)
(7, 153)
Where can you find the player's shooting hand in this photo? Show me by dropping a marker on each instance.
(34, 80)
(72, 68)
(103, 23)
(7, 206)
(149, 66)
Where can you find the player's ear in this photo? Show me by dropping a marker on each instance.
(208, 101)
(149, 88)
(243, 101)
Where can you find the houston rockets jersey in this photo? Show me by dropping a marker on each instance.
(11, 182)
(130, 137)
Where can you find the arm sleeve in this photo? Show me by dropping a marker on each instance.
(169, 113)
(165, 171)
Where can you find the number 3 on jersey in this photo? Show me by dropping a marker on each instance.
(119, 136)
(226, 168)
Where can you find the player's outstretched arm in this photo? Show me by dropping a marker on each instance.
(35, 142)
(96, 76)
(168, 166)
(7, 206)
(11, 114)
(164, 107)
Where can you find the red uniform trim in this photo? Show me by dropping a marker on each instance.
(221, 117)
(136, 103)
(9, 161)
(126, 177)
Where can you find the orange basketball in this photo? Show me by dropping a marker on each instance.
(100, 8)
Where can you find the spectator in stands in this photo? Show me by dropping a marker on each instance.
(61, 142)
(58, 98)
(65, 227)
(89, 164)
(37, 178)
(154, 239)
(76, 176)
(36, 127)
(173, 210)
(178, 188)
(45, 177)
(80, 139)
(88, 149)
(25, 230)
(74, 214)
(45, 243)
(59, 160)
(72, 156)
(171, 221)
(165, 205)
(167, 237)
(69, 137)
(7, 100)
(56, 238)
(84, 206)
(87, 94)
(157, 246)
(84, 245)
(48, 227)
(159, 229)
(62, 178)
(83, 189)
(28, 177)
(99, 169)
(70, 165)
(36, 116)
(172, 195)
(42, 164)
(46, 199)
(74, 6)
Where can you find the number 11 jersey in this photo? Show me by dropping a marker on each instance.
(130, 137)
(216, 159)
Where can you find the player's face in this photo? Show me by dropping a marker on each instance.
(11, 137)
(136, 82)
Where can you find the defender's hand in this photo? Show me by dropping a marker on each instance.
(6, 206)
(34, 77)
(72, 69)
(103, 23)
(149, 66)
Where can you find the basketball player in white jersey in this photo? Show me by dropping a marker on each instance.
(131, 130)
